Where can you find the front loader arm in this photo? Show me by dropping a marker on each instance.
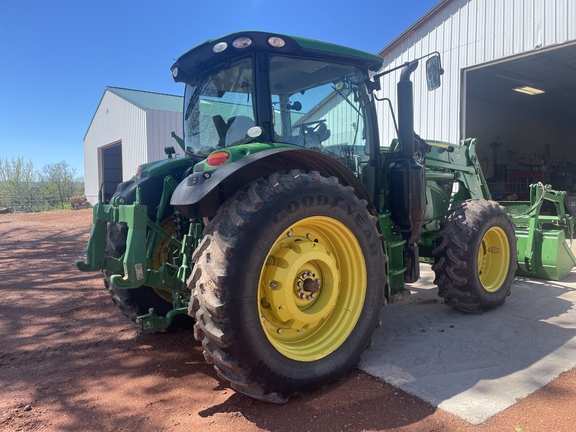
(457, 163)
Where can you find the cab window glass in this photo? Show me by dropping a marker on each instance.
(219, 109)
(317, 105)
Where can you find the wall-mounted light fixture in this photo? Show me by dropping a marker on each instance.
(532, 91)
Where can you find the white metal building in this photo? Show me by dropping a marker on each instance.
(488, 49)
(129, 128)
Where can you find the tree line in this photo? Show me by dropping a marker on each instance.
(25, 189)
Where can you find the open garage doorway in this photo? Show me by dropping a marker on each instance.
(111, 169)
(523, 112)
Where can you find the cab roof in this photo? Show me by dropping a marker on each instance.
(203, 56)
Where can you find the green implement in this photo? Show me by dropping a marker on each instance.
(543, 251)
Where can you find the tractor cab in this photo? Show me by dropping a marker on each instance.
(250, 92)
(278, 91)
(306, 100)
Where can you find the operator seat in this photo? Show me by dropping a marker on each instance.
(237, 128)
(221, 128)
(313, 137)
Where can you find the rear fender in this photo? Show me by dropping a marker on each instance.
(202, 192)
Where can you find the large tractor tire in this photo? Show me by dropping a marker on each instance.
(138, 301)
(287, 285)
(476, 256)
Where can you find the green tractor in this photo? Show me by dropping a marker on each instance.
(287, 225)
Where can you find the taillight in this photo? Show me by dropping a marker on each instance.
(217, 158)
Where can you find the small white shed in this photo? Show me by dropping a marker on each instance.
(129, 128)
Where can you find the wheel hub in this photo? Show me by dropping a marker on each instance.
(312, 285)
(307, 285)
(306, 304)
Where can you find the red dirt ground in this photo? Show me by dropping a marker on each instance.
(70, 361)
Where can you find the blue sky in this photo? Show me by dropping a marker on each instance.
(57, 57)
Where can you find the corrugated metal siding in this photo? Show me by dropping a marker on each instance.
(115, 120)
(160, 126)
(469, 33)
(340, 118)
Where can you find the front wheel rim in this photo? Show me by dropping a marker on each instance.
(312, 288)
(493, 259)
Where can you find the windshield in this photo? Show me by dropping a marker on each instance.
(218, 109)
(318, 105)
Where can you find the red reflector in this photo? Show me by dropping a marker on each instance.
(217, 158)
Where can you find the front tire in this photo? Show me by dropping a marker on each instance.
(476, 256)
(287, 285)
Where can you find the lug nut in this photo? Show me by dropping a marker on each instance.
(279, 331)
(272, 284)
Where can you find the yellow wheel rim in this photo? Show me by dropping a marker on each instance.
(312, 288)
(163, 253)
(493, 259)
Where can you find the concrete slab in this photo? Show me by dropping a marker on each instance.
(475, 366)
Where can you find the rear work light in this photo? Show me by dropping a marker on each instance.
(220, 47)
(276, 42)
(242, 42)
(217, 158)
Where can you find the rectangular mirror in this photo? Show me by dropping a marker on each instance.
(433, 72)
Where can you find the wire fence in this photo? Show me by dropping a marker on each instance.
(11, 204)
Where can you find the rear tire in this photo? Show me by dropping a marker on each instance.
(476, 256)
(287, 285)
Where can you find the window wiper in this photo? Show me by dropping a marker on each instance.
(346, 99)
(192, 103)
(188, 110)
